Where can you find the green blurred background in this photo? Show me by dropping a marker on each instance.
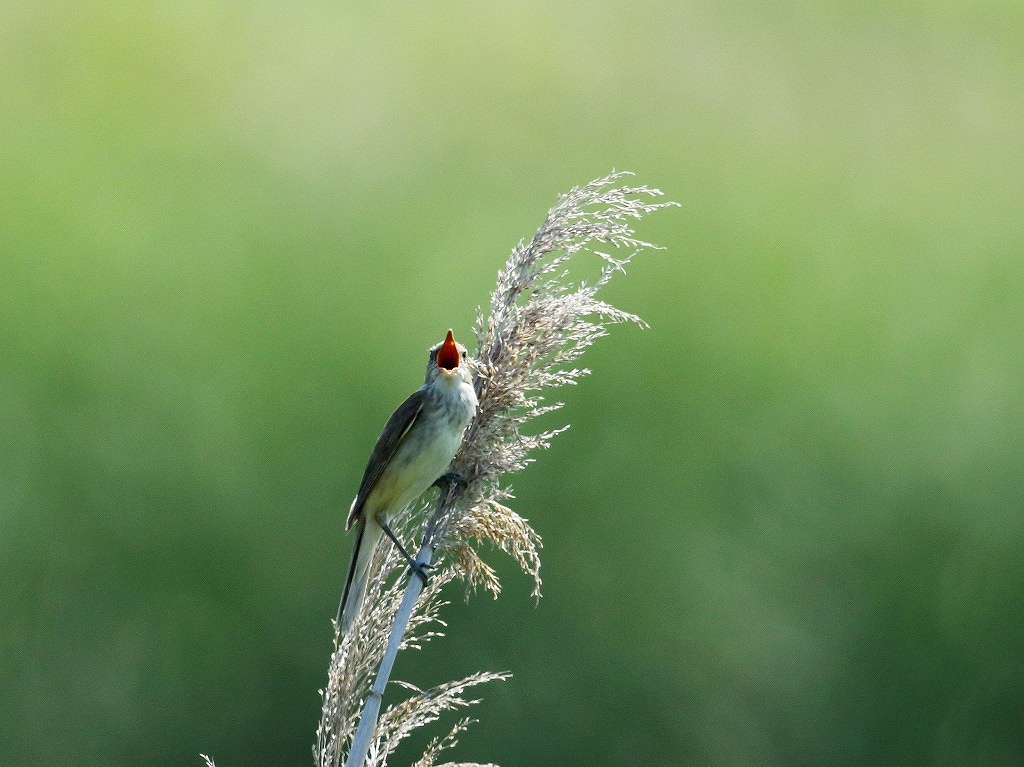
(785, 528)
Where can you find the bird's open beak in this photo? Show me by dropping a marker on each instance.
(448, 354)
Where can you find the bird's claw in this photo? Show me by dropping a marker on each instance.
(450, 480)
(420, 569)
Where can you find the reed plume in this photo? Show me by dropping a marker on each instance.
(539, 321)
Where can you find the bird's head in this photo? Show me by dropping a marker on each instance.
(448, 361)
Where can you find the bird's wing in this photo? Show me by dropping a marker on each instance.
(398, 425)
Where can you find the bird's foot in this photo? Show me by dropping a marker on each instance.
(420, 569)
(451, 480)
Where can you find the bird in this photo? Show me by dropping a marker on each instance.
(414, 450)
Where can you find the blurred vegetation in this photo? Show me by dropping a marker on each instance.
(785, 528)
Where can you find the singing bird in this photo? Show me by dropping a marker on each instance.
(418, 443)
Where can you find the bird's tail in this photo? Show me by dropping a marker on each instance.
(368, 533)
